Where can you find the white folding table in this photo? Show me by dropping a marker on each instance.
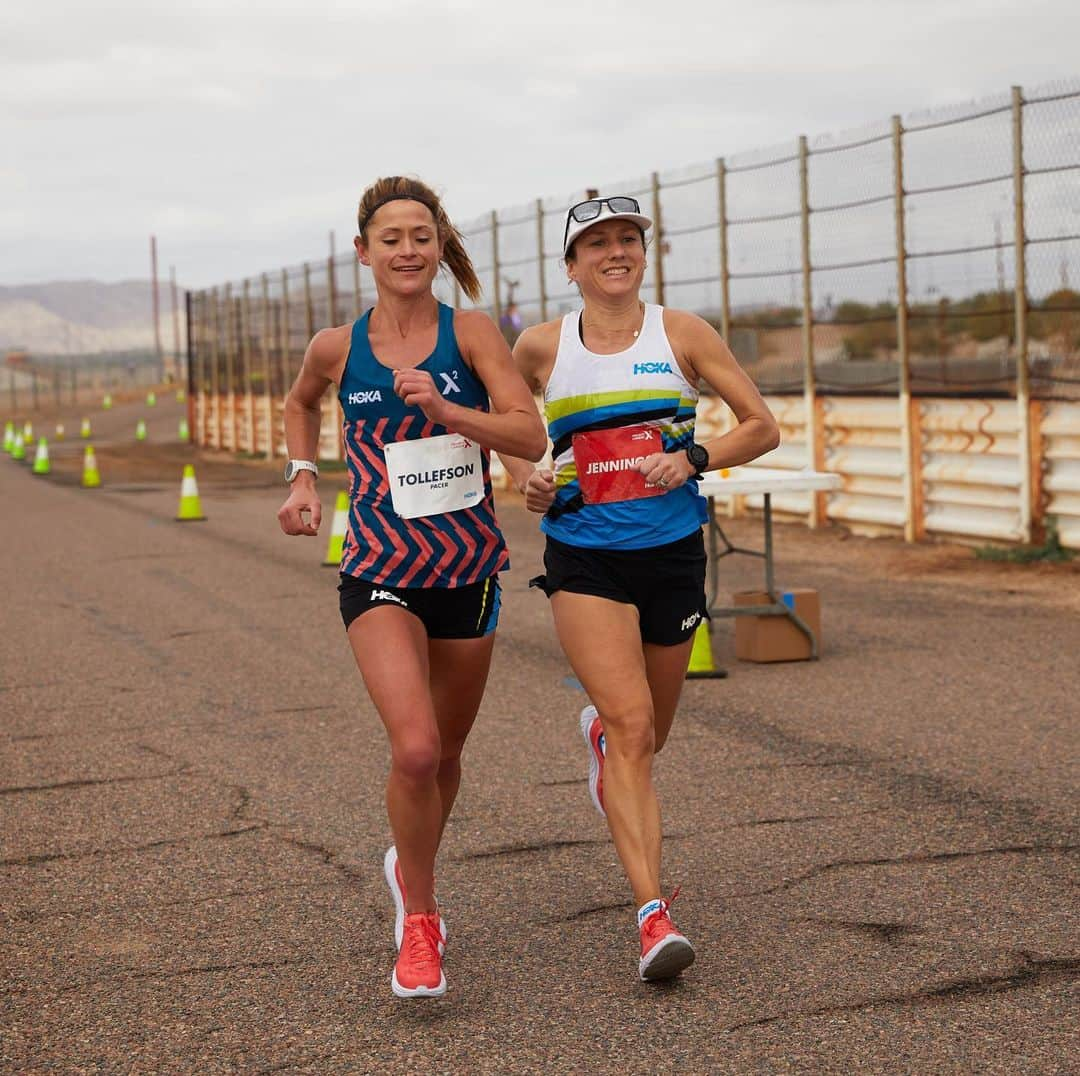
(764, 481)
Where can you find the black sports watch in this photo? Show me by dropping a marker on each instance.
(698, 455)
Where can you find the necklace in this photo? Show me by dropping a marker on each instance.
(593, 325)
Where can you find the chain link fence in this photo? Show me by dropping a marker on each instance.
(926, 259)
(947, 242)
(31, 383)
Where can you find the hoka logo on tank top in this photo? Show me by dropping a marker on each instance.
(446, 549)
(641, 387)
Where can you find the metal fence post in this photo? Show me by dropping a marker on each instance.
(1023, 387)
(814, 448)
(496, 269)
(309, 309)
(191, 343)
(658, 242)
(267, 394)
(230, 371)
(911, 450)
(725, 280)
(247, 331)
(219, 411)
(331, 292)
(286, 365)
(540, 257)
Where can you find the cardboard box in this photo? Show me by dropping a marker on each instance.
(777, 638)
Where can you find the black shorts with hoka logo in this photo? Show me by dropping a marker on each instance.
(666, 583)
(467, 612)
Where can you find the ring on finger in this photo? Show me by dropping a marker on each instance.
(662, 482)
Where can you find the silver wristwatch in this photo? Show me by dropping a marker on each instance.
(294, 467)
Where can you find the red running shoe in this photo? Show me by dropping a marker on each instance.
(418, 972)
(392, 874)
(664, 951)
(593, 731)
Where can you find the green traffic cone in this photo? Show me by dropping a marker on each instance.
(41, 458)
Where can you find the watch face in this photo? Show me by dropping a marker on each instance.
(698, 456)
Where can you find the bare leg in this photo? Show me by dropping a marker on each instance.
(391, 650)
(602, 641)
(459, 670)
(665, 668)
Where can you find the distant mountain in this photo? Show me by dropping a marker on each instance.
(79, 317)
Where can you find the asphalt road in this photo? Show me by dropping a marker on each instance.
(877, 852)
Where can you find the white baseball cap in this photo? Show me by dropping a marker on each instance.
(594, 210)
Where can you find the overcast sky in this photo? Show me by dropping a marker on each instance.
(241, 133)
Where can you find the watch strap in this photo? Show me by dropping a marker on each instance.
(294, 467)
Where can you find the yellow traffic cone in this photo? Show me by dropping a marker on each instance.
(107, 402)
(28, 433)
(59, 431)
(338, 531)
(701, 660)
(84, 431)
(151, 399)
(18, 449)
(184, 432)
(9, 436)
(190, 508)
(140, 430)
(91, 479)
(180, 396)
(41, 457)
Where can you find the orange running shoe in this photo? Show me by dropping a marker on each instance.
(593, 731)
(392, 874)
(418, 972)
(664, 950)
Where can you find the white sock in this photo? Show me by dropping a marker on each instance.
(647, 909)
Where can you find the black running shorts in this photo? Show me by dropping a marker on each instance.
(666, 583)
(467, 612)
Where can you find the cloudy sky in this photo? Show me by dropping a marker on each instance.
(241, 133)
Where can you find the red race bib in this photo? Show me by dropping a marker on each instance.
(607, 462)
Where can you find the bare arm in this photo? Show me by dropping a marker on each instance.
(703, 354)
(513, 424)
(303, 420)
(534, 355)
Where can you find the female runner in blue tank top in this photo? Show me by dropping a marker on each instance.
(625, 556)
(419, 588)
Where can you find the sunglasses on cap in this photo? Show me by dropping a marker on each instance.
(590, 209)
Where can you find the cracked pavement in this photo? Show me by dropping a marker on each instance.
(877, 852)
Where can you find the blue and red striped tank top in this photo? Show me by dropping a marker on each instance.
(450, 549)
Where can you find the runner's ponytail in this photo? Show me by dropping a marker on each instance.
(397, 188)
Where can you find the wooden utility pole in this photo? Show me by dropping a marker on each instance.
(154, 296)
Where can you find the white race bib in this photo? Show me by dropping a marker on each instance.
(431, 475)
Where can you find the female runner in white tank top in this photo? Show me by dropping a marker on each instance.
(625, 558)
